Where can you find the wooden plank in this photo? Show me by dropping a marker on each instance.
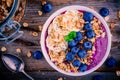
(55, 76)
(29, 43)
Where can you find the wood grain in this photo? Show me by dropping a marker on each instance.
(29, 43)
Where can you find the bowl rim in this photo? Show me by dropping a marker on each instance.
(45, 26)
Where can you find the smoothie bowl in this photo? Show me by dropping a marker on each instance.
(75, 40)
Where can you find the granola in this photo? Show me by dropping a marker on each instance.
(5, 6)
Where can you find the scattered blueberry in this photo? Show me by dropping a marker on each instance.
(104, 12)
(69, 56)
(98, 77)
(47, 7)
(83, 67)
(76, 63)
(87, 45)
(88, 26)
(82, 53)
(88, 16)
(90, 34)
(79, 36)
(37, 55)
(74, 50)
(72, 43)
(111, 62)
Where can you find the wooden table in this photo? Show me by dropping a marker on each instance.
(40, 69)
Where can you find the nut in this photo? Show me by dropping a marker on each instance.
(18, 50)
(25, 24)
(29, 54)
(35, 34)
(39, 13)
(3, 49)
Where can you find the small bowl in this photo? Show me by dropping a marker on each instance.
(96, 57)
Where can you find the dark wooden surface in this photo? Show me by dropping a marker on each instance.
(40, 69)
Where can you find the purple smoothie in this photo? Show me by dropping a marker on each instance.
(100, 46)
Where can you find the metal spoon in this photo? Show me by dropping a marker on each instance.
(14, 64)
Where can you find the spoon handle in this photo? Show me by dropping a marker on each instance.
(27, 75)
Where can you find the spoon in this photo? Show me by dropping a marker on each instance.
(14, 64)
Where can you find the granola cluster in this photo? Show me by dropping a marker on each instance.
(71, 40)
(5, 6)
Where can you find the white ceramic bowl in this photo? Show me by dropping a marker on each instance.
(43, 34)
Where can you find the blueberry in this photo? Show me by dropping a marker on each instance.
(79, 36)
(74, 50)
(37, 55)
(83, 67)
(88, 26)
(104, 12)
(88, 16)
(47, 7)
(111, 62)
(69, 56)
(87, 45)
(72, 43)
(76, 63)
(82, 53)
(90, 34)
(98, 77)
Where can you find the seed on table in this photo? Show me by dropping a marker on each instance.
(3, 49)
(25, 24)
(18, 50)
(29, 54)
(39, 13)
(112, 25)
(118, 73)
(35, 34)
